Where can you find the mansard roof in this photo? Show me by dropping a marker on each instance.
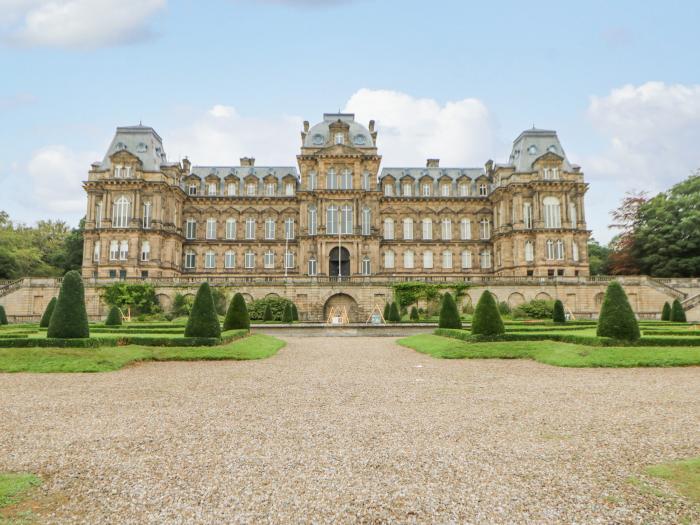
(532, 144)
(141, 141)
(320, 134)
(260, 172)
(434, 172)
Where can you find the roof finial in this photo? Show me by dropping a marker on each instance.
(533, 125)
(140, 123)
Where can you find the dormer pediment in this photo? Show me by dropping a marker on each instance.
(125, 157)
(550, 158)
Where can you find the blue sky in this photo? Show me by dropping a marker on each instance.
(451, 79)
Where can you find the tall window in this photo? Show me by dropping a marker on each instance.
(312, 181)
(332, 220)
(483, 190)
(484, 229)
(249, 260)
(366, 268)
(389, 229)
(466, 259)
(229, 259)
(120, 214)
(389, 259)
(346, 179)
(211, 188)
(190, 229)
(346, 220)
(96, 252)
(146, 215)
(552, 212)
(446, 230)
(408, 259)
(251, 189)
(270, 189)
(464, 189)
(365, 180)
(574, 251)
(427, 259)
(527, 215)
(232, 189)
(551, 173)
(192, 189)
(339, 138)
(529, 251)
(123, 250)
(289, 259)
(269, 229)
(269, 259)
(289, 189)
(289, 229)
(98, 215)
(190, 260)
(366, 221)
(446, 190)
(550, 250)
(331, 180)
(211, 228)
(312, 266)
(447, 260)
(250, 228)
(230, 229)
(388, 190)
(113, 250)
(486, 259)
(465, 229)
(313, 220)
(572, 215)
(407, 189)
(427, 229)
(408, 229)
(209, 260)
(145, 251)
(560, 250)
(427, 189)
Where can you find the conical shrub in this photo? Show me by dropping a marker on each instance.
(3, 315)
(69, 318)
(295, 313)
(387, 312)
(394, 315)
(617, 320)
(267, 314)
(114, 317)
(666, 312)
(237, 314)
(414, 314)
(677, 312)
(486, 319)
(203, 320)
(559, 316)
(287, 316)
(46, 318)
(449, 315)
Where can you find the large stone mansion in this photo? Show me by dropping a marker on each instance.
(335, 213)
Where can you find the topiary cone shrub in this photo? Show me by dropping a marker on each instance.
(237, 314)
(394, 315)
(267, 315)
(295, 313)
(46, 318)
(387, 312)
(69, 318)
(666, 312)
(203, 320)
(449, 315)
(677, 312)
(414, 314)
(487, 320)
(3, 315)
(616, 318)
(287, 316)
(559, 316)
(114, 317)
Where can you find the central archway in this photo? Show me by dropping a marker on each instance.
(339, 262)
(343, 301)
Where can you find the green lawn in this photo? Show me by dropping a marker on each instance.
(554, 353)
(683, 475)
(105, 359)
(14, 485)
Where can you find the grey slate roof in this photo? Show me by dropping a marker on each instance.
(319, 135)
(141, 141)
(531, 144)
(435, 173)
(279, 172)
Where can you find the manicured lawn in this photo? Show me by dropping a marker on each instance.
(554, 353)
(13, 485)
(683, 475)
(105, 359)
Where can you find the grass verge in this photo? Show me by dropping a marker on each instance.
(105, 359)
(13, 486)
(684, 476)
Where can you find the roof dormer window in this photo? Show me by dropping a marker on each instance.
(532, 150)
(339, 138)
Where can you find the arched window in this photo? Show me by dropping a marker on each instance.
(408, 229)
(270, 189)
(232, 189)
(465, 229)
(529, 251)
(211, 188)
(486, 259)
(269, 259)
(464, 189)
(446, 230)
(249, 260)
(230, 259)
(466, 259)
(427, 189)
(427, 229)
(408, 261)
(366, 221)
(230, 229)
(407, 188)
(210, 260)
(332, 220)
(447, 260)
(313, 220)
(388, 189)
(120, 213)
(484, 229)
(427, 259)
(446, 189)
(389, 229)
(211, 228)
(346, 220)
(389, 259)
(289, 188)
(366, 266)
(250, 228)
(346, 179)
(552, 212)
(269, 228)
(190, 229)
(289, 229)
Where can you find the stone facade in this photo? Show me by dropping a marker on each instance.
(337, 216)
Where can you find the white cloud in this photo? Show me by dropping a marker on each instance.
(459, 133)
(78, 23)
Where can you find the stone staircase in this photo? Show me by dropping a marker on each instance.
(7, 287)
(667, 289)
(691, 302)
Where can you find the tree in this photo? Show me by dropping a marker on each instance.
(558, 316)
(666, 312)
(414, 314)
(449, 315)
(267, 316)
(387, 312)
(140, 298)
(487, 320)
(46, 318)
(114, 317)
(598, 258)
(617, 320)
(220, 302)
(394, 315)
(295, 313)
(237, 314)
(621, 260)
(288, 317)
(182, 305)
(3, 315)
(69, 319)
(677, 312)
(203, 320)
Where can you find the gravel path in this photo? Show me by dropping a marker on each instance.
(350, 429)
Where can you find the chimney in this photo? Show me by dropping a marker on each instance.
(433, 163)
(247, 161)
(186, 165)
(306, 126)
(371, 126)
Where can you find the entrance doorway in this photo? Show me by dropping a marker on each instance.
(339, 259)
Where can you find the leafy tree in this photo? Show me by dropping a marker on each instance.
(535, 309)
(256, 309)
(237, 314)
(288, 317)
(267, 316)
(3, 315)
(295, 313)
(617, 320)
(220, 302)
(677, 312)
(182, 305)
(114, 317)
(69, 319)
(449, 315)
(203, 320)
(504, 308)
(487, 320)
(394, 315)
(666, 312)
(414, 314)
(598, 258)
(46, 318)
(559, 316)
(621, 260)
(140, 298)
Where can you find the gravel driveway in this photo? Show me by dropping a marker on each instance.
(350, 429)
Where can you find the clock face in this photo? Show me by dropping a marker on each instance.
(359, 139)
(318, 139)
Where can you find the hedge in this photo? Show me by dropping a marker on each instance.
(288, 316)
(666, 312)
(3, 315)
(46, 318)
(394, 315)
(617, 320)
(69, 319)
(114, 318)
(295, 313)
(677, 312)
(237, 314)
(203, 320)
(487, 320)
(449, 315)
(558, 315)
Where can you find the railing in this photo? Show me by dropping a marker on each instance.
(667, 288)
(7, 287)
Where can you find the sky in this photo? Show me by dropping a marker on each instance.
(454, 80)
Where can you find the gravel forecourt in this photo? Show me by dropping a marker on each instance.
(352, 429)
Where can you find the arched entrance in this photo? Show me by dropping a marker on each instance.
(339, 259)
(345, 301)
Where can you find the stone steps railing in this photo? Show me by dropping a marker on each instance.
(664, 287)
(7, 287)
